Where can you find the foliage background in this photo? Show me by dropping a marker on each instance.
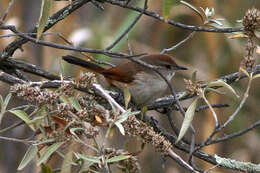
(211, 54)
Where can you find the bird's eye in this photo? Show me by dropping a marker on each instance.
(168, 66)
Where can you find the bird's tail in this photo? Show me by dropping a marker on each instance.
(86, 64)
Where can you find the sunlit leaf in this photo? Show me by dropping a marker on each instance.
(188, 119)
(118, 158)
(120, 127)
(28, 156)
(193, 8)
(88, 158)
(23, 116)
(167, 6)
(222, 84)
(49, 151)
(237, 35)
(44, 15)
(127, 96)
(256, 76)
(244, 71)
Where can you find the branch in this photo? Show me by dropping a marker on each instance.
(54, 19)
(171, 22)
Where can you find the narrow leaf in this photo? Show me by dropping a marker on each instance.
(120, 127)
(216, 91)
(127, 96)
(193, 8)
(74, 102)
(51, 149)
(237, 35)
(28, 156)
(7, 99)
(45, 10)
(88, 158)
(23, 116)
(167, 6)
(244, 71)
(118, 158)
(188, 119)
(222, 84)
(1, 101)
(256, 76)
(125, 115)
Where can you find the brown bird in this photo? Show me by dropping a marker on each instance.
(144, 84)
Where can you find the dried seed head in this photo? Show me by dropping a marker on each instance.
(251, 21)
(192, 88)
(34, 94)
(134, 127)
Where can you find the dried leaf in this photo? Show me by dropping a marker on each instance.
(188, 119)
(127, 96)
(44, 15)
(222, 84)
(28, 156)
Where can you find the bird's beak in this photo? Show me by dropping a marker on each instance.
(180, 68)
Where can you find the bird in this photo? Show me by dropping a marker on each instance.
(144, 84)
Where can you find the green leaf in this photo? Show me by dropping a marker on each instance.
(188, 119)
(51, 149)
(125, 115)
(88, 158)
(28, 156)
(1, 101)
(118, 158)
(216, 91)
(244, 71)
(222, 84)
(7, 99)
(23, 116)
(44, 15)
(74, 102)
(120, 127)
(46, 168)
(127, 96)
(167, 6)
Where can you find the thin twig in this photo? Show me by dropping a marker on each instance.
(11, 3)
(127, 29)
(174, 23)
(178, 44)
